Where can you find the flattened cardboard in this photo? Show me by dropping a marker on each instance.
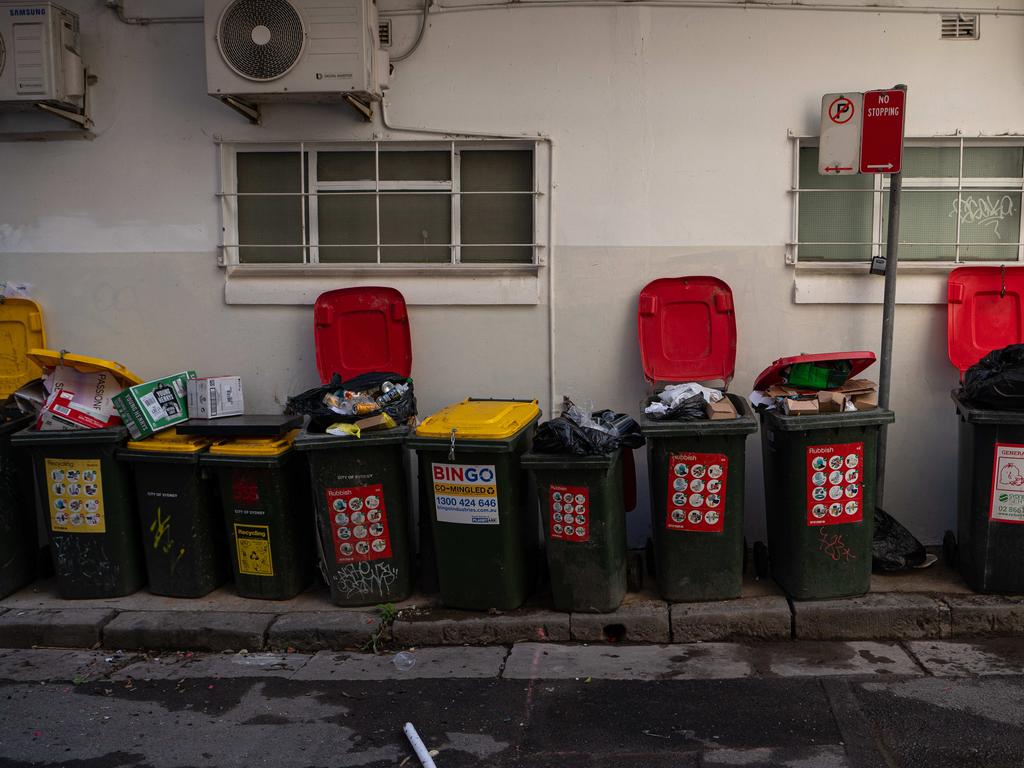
(723, 409)
(831, 402)
(800, 407)
(866, 402)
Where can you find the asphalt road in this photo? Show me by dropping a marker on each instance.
(797, 705)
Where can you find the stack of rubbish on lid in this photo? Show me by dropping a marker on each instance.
(582, 431)
(810, 388)
(365, 403)
(689, 402)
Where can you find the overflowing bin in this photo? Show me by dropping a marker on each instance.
(473, 486)
(360, 485)
(820, 474)
(687, 332)
(87, 497)
(264, 490)
(985, 314)
(182, 526)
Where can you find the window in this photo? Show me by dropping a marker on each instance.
(412, 204)
(961, 203)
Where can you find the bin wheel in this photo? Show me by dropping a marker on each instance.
(634, 571)
(761, 565)
(950, 549)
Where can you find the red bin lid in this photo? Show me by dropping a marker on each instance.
(860, 361)
(687, 330)
(984, 311)
(361, 330)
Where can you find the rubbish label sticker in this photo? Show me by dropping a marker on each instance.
(569, 512)
(1007, 503)
(359, 523)
(696, 492)
(835, 484)
(252, 542)
(75, 491)
(465, 493)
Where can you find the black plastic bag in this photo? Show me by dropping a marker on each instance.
(690, 409)
(894, 548)
(563, 435)
(311, 402)
(997, 380)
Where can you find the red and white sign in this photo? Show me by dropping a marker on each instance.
(835, 484)
(839, 142)
(359, 523)
(696, 492)
(881, 136)
(569, 512)
(1007, 502)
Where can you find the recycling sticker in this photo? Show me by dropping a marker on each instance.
(1007, 503)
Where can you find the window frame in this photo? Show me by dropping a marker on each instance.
(229, 247)
(880, 187)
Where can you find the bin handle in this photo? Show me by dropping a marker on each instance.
(451, 448)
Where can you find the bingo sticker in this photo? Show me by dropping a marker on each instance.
(696, 492)
(835, 493)
(569, 513)
(358, 534)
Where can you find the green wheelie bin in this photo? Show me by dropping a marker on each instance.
(182, 526)
(985, 312)
(264, 491)
(89, 508)
(584, 518)
(362, 514)
(687, 333)
(473, 486)
(820, 473)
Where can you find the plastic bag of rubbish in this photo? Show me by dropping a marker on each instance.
(997, 380)
(894, 548)
(690, 409)
(321, 416)
(581, 432)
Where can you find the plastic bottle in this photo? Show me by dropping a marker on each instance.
(404, 661)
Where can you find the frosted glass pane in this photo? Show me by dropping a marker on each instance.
(415, 166)
(497, 170)
(993, 162)
(992, 218)
(416, 219)
(931, 162)
(345, 166)
(926, 216)
(347, 220)
(269, 220)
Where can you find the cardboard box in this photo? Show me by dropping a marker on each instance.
(380, 421)
(93, 392)
(800, 407)
(723, 409)
(215, 397)
(866, 401)
(63, 407)
(154, 405)
(778, 390)
(858, 387)
(830, 401)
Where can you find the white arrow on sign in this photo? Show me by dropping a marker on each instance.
(886, 167)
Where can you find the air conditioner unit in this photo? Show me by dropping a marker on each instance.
(39, 56)
(294, 50)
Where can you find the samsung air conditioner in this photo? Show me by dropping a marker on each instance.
(294, 50)
(40, 62)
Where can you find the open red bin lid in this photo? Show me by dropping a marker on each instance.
(361, 330)
(687, 330)
(860, 361)
(984, 311)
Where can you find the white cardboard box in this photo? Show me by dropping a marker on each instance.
(215, 397)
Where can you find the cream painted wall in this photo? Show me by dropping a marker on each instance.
(670, 131)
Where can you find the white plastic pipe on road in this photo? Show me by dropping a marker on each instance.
(418, 746)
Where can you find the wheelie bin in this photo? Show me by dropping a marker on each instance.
(472, 484)
(360, 485)
(984, 313)
(687, 332)
(819, 477)
(182, 526)
(87, 496)
(584, 518)
(264, 491)
(21, 321)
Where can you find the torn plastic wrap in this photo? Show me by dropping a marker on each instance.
(894, 548)
(689, 409)
(997, 380)
(311, 402)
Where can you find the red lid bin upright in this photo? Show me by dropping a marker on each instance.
(360, 485)
(819, 484)
(687, 330)
(985, 312)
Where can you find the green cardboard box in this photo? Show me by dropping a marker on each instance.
(154, 405)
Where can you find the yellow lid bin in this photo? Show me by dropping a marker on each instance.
(21, 321)
(254, 447)
(170, 441)
(481, 419)
(51, 358)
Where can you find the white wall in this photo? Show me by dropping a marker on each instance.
(670, 131)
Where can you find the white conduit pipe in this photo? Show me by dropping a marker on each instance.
(754, 5)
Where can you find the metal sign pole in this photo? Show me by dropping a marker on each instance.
(892, 246)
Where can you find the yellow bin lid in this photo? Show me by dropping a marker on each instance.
(51, 358)
(169, 441)
(480, 419)
(21, 329)
(257, 447)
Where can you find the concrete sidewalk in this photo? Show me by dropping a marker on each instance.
(921, 605)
